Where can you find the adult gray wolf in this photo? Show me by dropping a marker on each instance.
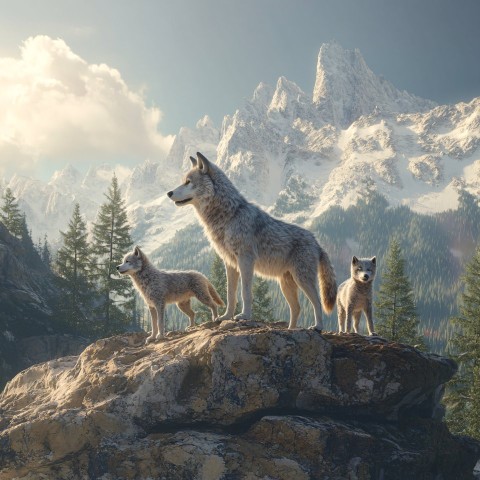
(249, 240)
(355, 296)
(160, 287)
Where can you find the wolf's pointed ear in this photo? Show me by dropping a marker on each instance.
(194, 161)
(203, 163)
(374, 260)
(354, 260)
(137, 252)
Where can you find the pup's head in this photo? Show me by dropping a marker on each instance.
(132, 262)
(363, 269)
(197, 186)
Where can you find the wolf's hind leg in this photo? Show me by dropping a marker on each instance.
(290, 292)
(186, 308)
(203, 295)
(232, 286)
(307, 280)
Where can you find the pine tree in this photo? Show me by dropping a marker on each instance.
(74, 267)
(218, 278)
(262, 308)
(10, 214)
(45, 252)
(463, 398)
(26, 235)
(111, 241)
(395, 307)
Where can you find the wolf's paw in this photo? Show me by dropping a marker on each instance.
(190, 327)
(242, 316)
(316, 328)
(225, 316)
(159, 337)
(169, 334)
(149, 339)
(374, 334)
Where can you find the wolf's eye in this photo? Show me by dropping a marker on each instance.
(187, 181)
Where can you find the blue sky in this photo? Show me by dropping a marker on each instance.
(188, 58)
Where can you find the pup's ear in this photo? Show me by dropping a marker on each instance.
(137, 252)
(354, 260)
(203, 163)
(194, 161)
(374, 260)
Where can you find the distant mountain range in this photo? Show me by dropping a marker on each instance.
(294, 153)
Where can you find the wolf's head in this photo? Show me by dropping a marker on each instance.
(198, 184)
(132, 262)
(363, 269)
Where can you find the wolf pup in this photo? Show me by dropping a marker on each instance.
(159, 287)
(249, 240)
(355, 296)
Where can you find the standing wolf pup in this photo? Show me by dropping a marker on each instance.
(159, 287)
(248, 240)
(355, 296)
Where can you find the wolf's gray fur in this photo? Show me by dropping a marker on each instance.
(355, 296)
(160, 287)
(248, 240)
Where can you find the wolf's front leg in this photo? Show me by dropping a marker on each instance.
(153, 315)
(246, 265)
(232, 286)
(369, 315)
(160, 306)
(348, 322)
(342, 318)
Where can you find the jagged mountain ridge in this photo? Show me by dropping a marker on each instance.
(294, 153)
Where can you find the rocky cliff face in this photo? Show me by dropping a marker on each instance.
(233, 400)
(27, 295)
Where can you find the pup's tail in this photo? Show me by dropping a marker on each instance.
(328, 282)
(215, 295)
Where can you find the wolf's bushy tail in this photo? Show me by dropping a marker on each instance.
(328, 282)
(215, 295)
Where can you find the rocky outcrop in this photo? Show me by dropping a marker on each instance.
(233, 400)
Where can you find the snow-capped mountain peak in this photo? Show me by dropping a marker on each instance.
(345, 88)
(293, 153)
(65, 179)
(287, 101)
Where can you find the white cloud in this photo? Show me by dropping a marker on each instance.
(57, 108)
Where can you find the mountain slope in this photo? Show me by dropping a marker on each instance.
(28, 296)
